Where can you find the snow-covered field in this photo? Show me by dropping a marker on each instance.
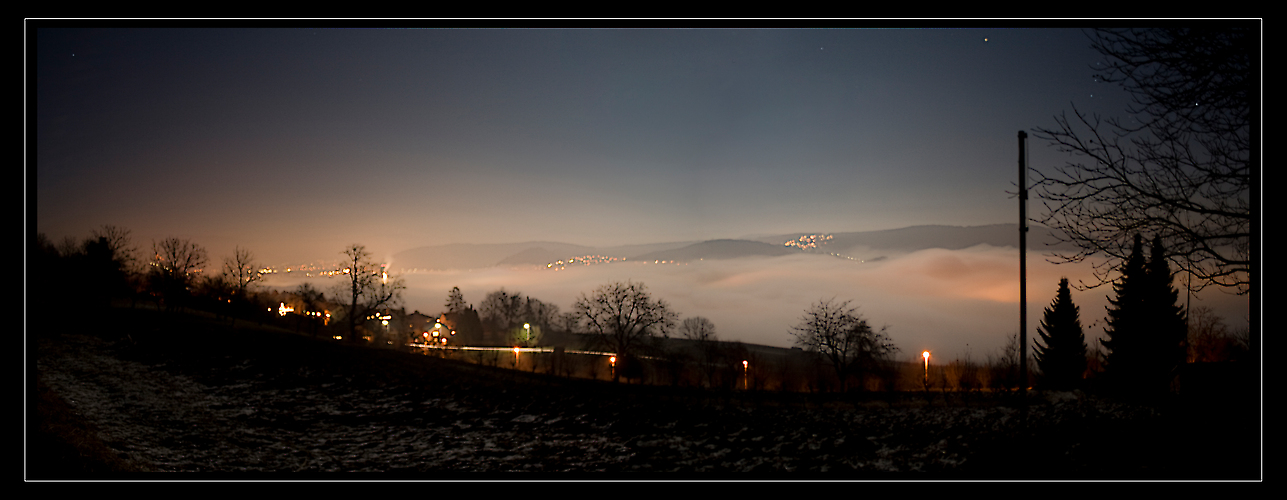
(277, 410)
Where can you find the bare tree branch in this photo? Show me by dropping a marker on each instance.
(1180, 168)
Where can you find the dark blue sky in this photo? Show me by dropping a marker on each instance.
(295, 142)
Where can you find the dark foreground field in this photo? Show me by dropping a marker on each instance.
(189, 398)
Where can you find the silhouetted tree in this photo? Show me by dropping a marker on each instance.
(1004, 369)
(1169, 325)
(570, 322)
(241, 271)
(103, 271)
(1124, 341)
(539, 313)
(702, 332)
(842, 336)
(622, 316)
(455, 300)
(1210, 340)
(464, 327)
(1180, 166)
(312, 301)
(176, 264)
(119, 261)
(367, 290)
(1060, 349)
(1146, 326)
(503, 310)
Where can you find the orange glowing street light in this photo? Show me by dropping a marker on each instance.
(744, 371)
(925, 355)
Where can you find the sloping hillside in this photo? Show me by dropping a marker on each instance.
(718, 249)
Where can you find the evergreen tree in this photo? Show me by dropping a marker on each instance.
(1146, 325)
(1168, 326)
(1062, 360)
(1127, 320)
(455, 300)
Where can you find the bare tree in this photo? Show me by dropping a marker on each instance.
(175, 265)
(368, 290)
(702, 332)
(503, 309)
(120, 244)
(1210, 340)
(241, 271)
(622, 316)
(1179, 166)
(570, 322)
(539, 313)
(842, 336)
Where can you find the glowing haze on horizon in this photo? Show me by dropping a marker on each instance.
(297, 142)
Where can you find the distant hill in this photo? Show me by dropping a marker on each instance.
(718, 249)
(472, 256)
(532, 253)
(857, 244)
(911, 239)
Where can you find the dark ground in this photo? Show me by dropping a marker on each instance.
(188, 398)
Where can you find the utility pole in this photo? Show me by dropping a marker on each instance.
(1023, 265)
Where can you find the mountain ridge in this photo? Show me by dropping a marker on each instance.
(871, 244)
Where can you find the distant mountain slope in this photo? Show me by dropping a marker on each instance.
(544, 254)
(471, 256)
(872, 243)
(910, 239)
(718, 249)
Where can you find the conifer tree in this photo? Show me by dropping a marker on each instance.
(1127, 322)
(455, 300)
(1062, 360)
(1168, 326)
(1146, 325)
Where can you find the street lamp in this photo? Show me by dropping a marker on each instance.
(527, 333)
(744, 369)
(925, 355)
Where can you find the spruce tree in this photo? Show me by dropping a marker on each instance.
(1167, 326)
(1127, 323)
(1146, 325)
(1062, 358)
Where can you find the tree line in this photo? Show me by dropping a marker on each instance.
(83, 277)
(1146, 339)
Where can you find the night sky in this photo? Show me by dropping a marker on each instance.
(296, 142)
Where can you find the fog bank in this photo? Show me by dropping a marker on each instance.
(952, 302)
